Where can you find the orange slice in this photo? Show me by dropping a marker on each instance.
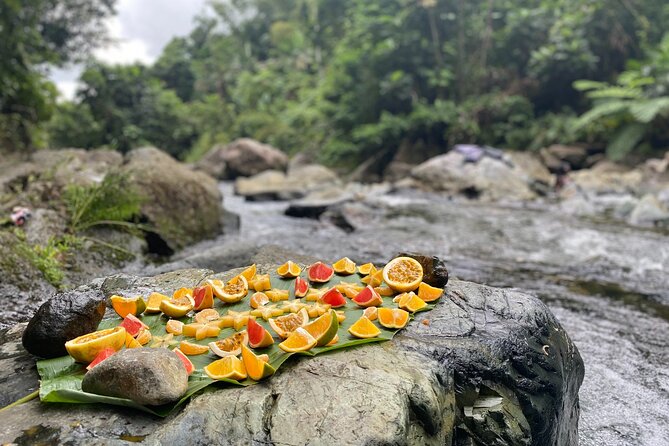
(174, 326)
(182, 292)
(370, 313)
(85, 348)
(128, 305)
(256, 368)
(429, 293)
(299, 340)
(333, 341)
(411, 302)
(233, 291)
(207, 315)
(289, 270)
(373, 279)
(153, 303)
(249, 273)
(144, 336)
(366, 269)
(364, 328)
(261, 282)
(284, 325)
(341, 316)
(393, 317)
(384, 291)
(323, 329)
(344, 266)
(177, 308)
(258, 299)
(188, 348)
(403, 274)
(230, 367)
(131, 342)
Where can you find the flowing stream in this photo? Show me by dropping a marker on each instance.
(608, 283)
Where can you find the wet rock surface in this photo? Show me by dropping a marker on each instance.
(242, 157)
(64, 317)
(453, 379)
(150, 376)
(296, 183)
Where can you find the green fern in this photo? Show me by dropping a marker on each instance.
(625, 140)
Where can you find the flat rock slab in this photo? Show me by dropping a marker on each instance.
(486, 366)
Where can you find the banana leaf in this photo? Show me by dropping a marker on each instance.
(61, 377)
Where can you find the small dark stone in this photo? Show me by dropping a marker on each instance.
(151, 376)
(435, 272)
(64, 317)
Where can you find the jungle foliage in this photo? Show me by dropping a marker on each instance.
(346, 79)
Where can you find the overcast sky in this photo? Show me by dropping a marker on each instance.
(141, 29)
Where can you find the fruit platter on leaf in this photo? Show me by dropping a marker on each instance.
(240, 331)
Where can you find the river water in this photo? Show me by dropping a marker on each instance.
(608, 284)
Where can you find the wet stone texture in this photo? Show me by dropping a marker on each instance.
(486, 366)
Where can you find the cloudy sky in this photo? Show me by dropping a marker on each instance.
(140, 29)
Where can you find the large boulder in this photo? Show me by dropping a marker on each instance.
(182, 206)
(276, 185)
(242, 157)
(486, 366)
(488, 179)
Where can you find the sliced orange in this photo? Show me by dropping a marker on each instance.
(289, 270)
(232, 291)
(131, 342)
(249, 273)
(128, 305)
(256, 368)
(341, 316)
(429, 293)
(153, 303)
(174, 326)
(364, 328)
(258, 299)
(261, 282)
(366, 269)
(182, 292)
(333, 341)
(85, 348)
(384, 291)
(411, 302)
(277, 295)
(299, 340)
(144, 336)
(393, 317)
(373, 279)
(284, 325)
(207, 315)
(324, 328)
(344, 266)
(229, 367)
(230, 346)
(403, 274)
(191, 349)
(370, 313)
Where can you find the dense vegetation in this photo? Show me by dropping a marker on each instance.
(350, 78)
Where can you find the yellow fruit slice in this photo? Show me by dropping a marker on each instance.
(384, 291)
(374, 279)
(131, 342)
(411, 302)
(230, 346)
(289, 270)
(370, 313)
(128, 305)
(277, 295)
(261, 282)
(364, 328)
(166, 341)
(207, 315)
(393, 317)
(366, 269)
(256, 368)
(177, 308)
(182, 292)
(344, 266)
(188, 348)
(232, 291)
(341, 316)
(258, 299)
(144, 336)
(284, 325)
(324, 328)
(403, 274)
(85, 348)
(153, 303)
(299, 340)
(249, 273)
(229, 367)
(174, 326)
(429, 293)
(201, 331)
(333, 341)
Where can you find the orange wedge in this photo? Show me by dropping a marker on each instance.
(230, 367)
(261, 282)
(258, 299)
(207, 315)
(373, 279)
(411, 302)
(366, 269)
(429, 293)
(249, 273)
(370, 313)
(128, 305)
(191, 349)
(289, 270)
(393, 317)
(174, 326)
(344, 266)
(323, 329)
(299, 341)
(364, 328)
(256, 368)
(153, 303)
